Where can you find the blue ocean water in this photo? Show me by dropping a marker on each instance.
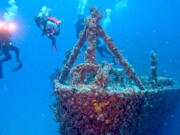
(137, 27)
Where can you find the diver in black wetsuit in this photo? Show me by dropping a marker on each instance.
(102, 49)
(79, 24)
(104, 52)
(5, 47)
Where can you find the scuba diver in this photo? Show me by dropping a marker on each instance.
(50, 27)
(6, 46)
(79, 24)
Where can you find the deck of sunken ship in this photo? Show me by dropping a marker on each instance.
(97, 99)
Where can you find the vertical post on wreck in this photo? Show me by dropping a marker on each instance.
(90, 56)
(153, 73)
(91, 34)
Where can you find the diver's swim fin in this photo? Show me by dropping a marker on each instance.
(18, 67)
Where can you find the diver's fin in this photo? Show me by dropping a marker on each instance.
(18, 67)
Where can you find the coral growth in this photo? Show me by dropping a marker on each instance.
(95, 112)
(89, 113)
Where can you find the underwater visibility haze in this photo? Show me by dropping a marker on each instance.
(147, 33)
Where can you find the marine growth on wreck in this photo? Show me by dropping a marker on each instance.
(97, 99)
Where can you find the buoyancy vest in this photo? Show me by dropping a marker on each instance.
(53, 26)
(54, 20)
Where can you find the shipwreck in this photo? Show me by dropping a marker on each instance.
(98, 99)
